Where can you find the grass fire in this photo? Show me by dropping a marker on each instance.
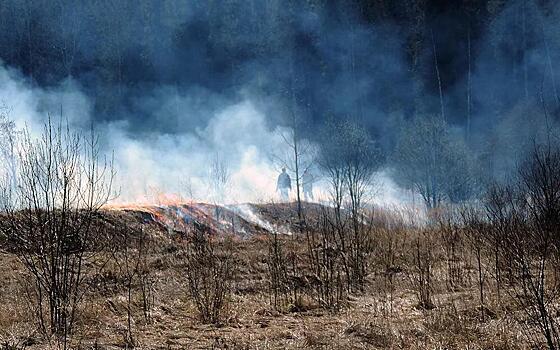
(276, 174)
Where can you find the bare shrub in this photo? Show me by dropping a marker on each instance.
(219, 179)
(131, 256)
(360, 248)
(423, 266)
(283, 274)
(535, 247)
(349, 161)
(147, 282)
(452, 241)
(62, 184)
(210, 269)
(475, 229)
(392, 236)
(326, 260)
(528, 217)
(8, 143)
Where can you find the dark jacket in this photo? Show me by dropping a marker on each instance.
(284, 181)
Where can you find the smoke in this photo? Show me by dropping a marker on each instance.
(29, 106)
(180, 163)
(157, 165)
(172, 86)
(168, 67)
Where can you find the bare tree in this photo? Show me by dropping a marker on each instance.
(438, 76)
(220, 175)
(298, 159)
(219, 178)
(62, 184)
(469, 78)
(8, 140)
(350, 158)
(69, 28)
(432, 163)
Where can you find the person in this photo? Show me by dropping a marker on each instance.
(307, 185)
(284, 185)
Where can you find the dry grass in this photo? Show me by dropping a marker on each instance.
(385, 316)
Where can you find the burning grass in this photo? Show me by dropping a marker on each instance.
(179, 217)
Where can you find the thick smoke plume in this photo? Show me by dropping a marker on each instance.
(168, 167)
(175, 86)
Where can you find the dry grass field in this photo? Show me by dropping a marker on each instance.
(384, 314)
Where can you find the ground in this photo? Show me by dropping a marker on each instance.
(382, 316)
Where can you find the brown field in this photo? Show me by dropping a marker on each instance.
(384, 315)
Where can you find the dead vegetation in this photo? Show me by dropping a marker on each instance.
(285, 293)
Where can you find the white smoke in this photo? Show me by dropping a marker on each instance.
(179, 164)
(158, 167)
(29, 106)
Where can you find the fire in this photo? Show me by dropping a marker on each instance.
(178, 215)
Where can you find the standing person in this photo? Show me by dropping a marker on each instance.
(307, 185)
(284, 185)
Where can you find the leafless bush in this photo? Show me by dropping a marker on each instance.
(423, 265)
(147, 286)
(131, 256)
(283, 274)
(452, 241)
(536, 253)
(209, 274)
(360, 248)
(62, 184)
(392, 236)
(8, 143)
(326, 260)
(505, 218)
(219, 178)
(528, 216)
(349, 163)
(475, 230)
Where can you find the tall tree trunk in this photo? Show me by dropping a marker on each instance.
(438, 76)
(550, 67)
(525, 73)
(468, 131)
(295, 140)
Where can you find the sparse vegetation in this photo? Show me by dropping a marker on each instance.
(272, 290)
(48, 219)
(209, 270)
(352, 276)
(414, 144)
